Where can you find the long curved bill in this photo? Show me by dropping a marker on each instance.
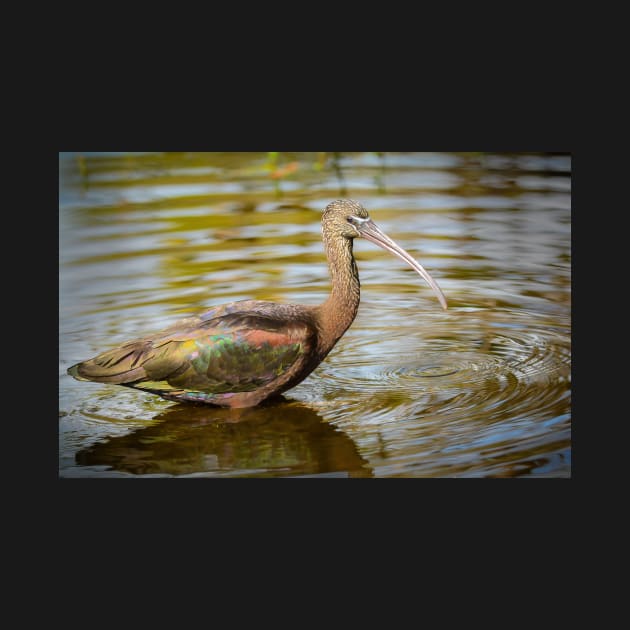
(369, 230)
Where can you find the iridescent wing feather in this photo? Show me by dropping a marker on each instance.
(237, 347)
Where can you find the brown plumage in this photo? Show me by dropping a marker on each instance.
(241, 353)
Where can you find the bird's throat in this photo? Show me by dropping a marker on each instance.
(340, 309)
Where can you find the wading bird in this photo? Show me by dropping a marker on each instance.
(242, 353)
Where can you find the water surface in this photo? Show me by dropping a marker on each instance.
(480, 390)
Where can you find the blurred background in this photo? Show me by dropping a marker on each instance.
(479, 390)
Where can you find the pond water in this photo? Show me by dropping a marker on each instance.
(480, 390)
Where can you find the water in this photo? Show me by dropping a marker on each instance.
(480, 390)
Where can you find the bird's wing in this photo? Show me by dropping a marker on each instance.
(235, 351)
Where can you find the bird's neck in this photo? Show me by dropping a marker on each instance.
(340, 309)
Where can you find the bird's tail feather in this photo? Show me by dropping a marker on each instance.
(120, 365)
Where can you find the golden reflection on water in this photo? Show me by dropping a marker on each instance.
(481, 390)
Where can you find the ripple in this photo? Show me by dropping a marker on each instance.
(429, 371)
(503, 387)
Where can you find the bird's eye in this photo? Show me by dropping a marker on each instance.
(351, 220)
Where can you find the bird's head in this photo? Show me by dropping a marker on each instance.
(344, 217)
(349, 219)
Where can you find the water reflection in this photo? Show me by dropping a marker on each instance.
(281, 439)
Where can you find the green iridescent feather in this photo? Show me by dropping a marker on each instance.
(228, 349)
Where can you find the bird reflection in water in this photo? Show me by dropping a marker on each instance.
(277, 440)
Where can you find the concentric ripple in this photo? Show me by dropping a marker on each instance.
(490, 385)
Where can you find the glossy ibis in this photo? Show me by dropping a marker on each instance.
(241, 353)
